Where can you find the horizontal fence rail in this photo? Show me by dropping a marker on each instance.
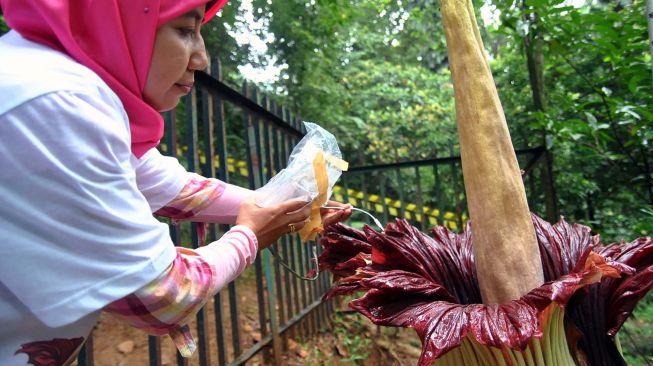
(426, 192)
(378, 204)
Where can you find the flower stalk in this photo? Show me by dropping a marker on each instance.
(495, 191)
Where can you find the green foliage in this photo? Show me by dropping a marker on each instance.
(365, 70)
(374, 73)
(394, 104)
(598, 89)
(222, 46)
(637, 334)
(3, 25)
(351, 329)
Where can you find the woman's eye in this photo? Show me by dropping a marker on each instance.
(187, 32)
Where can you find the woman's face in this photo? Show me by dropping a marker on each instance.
(178, 52)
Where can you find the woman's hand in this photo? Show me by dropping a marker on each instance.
(269, 223)
(332, 216)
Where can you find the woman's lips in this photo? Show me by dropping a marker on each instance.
(186, 88)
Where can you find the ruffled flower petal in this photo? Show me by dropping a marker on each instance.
(430, 284)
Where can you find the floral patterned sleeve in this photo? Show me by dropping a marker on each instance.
(167, 304)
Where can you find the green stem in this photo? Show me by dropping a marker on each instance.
(468, 357)
(478, 356)
(551, 349)
(537, 348)
(529, 355)
(520, 358)
(509, 356)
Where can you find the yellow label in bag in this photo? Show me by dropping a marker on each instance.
(314, 225)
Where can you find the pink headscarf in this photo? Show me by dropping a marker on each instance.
(114, 38)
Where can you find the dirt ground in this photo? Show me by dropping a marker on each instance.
(350, 339)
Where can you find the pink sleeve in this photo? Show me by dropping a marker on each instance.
(231, 254)
(168, 303)
(224, 209)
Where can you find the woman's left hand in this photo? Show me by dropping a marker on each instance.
(333, 215)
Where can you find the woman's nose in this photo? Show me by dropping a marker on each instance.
(199, 59)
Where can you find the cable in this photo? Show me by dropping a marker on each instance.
(285, 264)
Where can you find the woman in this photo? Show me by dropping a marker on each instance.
(82, 83)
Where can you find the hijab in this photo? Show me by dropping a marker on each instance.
(114, 38)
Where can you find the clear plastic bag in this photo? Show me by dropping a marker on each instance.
(298, 180)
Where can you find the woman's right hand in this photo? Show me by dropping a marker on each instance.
(269, 223)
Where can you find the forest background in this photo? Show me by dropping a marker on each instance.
(574, 76)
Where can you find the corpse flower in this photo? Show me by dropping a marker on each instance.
(413, 280)
(519, 291)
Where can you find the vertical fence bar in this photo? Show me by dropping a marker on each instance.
(384, 204)
(170, 126)
(271, 161)
(316, 315)
(233, 313)
(400, 185)
(154, 350)
(209, 170)
(328, 307)
(206, 118)
(85, 357)
(274, 166)
(345, 188)
(223, 174)
(267, 267)
(256, 124)
(294, 259)
(193, 166)
(420, 200)
(438, 195)
(304, 291)
(365, 202)
(302, 255)
(298, 259)
(280, 155)
(311, 290)
(456, 190)
(532, 196)
(254, 175)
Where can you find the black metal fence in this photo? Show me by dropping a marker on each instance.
(427, 192)
(256, 315)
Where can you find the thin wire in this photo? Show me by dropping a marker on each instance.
(285, 264)
(376, 221)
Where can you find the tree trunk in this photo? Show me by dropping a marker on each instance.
(535, 62)
(649, 18)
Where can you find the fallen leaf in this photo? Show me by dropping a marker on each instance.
(256, 336)
(342, 351)
(292, 345)
(248, 328)
(302, 353)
